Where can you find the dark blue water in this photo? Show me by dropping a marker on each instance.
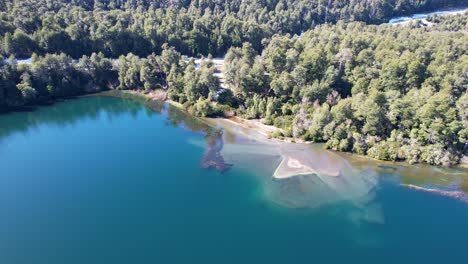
(105, 180)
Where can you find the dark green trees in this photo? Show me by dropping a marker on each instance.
(118, 27)
(390, 92)
(393, 93)
(198, 84)
(245, 73)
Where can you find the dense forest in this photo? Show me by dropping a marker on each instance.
(393, 93)
(141, 27)
(389, 92)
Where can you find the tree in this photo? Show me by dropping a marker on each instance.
(8, 44)
(191, 87)
(129, 72)
(152, 73)
(202, 108)
(26, 89)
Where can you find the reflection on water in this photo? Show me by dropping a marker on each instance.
(212, 157)
(305, 175)
(84, 180)
(69, 114)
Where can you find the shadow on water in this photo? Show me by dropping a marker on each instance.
(335, 178)
(64, 114)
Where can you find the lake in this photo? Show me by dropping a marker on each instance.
(109, 180)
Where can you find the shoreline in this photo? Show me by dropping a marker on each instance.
(256, 126)
(296, 158)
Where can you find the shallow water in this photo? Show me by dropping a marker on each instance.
(106, 180)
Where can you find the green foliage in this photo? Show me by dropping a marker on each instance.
(226, 97)
(116, 27)
(393, 93)
(129, 72)
(25, 87)
(199, 83)
(202, 108)
(245, 73)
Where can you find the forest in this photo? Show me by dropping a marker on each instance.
(141, 27)
(392, 93)
(321, 71)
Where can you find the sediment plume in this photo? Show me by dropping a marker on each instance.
(459, 195)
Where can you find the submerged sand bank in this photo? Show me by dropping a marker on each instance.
(299, 158)
(294, 175)
(296, 158)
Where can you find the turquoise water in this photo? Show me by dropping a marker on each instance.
(106, 180)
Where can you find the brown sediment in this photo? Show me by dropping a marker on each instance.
(297, 159)
(459, 195)
(246, 144)
(212, 157)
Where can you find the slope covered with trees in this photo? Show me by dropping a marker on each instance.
(118, 27)
(390, 92)
(393, 93)
(53, 77)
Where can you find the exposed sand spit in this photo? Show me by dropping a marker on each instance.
(290, 167)
(296, 159)
(302, 160)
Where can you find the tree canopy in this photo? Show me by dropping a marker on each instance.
(119, 27)
(389, 92)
